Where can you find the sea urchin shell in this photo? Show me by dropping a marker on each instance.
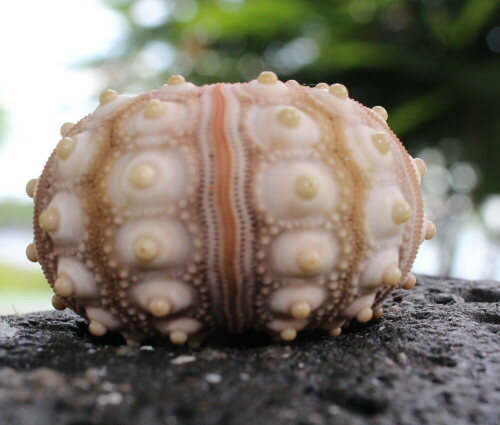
(264, 205)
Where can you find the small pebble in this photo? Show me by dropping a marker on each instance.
(107, 386)
(10, 378)
(46, 377)
(389, 361)
(111, 398)
(213, 378)
(94, 374)
(402, 358)
(333, 410)
(183, 360)
(125, 350)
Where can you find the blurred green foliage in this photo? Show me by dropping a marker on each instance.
(21, 280)
(22, 290)
(434, 64)
(15, 214)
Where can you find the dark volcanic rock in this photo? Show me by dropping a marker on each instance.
(434, 358)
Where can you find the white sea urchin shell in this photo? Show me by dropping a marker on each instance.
(264, 205)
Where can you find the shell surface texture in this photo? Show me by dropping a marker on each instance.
(263, 205)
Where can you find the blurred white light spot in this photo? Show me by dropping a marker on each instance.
(213, 378)
(151, 13)
(471, 250)
(185, 10)
(292, 56)
(434, 205)
(158, 56)
(491, 213)
(437, 180)
(463, 177)
(64, 92)
(428, 259)
(432, 156)
(493, 40)
(459, 206)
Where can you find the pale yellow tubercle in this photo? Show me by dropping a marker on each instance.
(65, 147)
(31, 253)
(160, 306)
(380, 110)
(65, 128)
(300, 309)
(64, 286)
(382, 141)
(267, 77)
(289, 117)
(339, 90)
(176, 80)
(49, 220)
(401, 212)
(431, 230)
(146, 249)
(306, 187)
(392, 275)
(107, 96)
(143, 176)
(421, 165)
(30, 187)
(309, 261)
(322, 86)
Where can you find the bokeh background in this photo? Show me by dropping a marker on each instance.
(434, 65)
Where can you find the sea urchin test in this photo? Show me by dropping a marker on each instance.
(263, 205)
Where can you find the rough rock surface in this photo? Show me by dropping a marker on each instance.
(434, 358)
